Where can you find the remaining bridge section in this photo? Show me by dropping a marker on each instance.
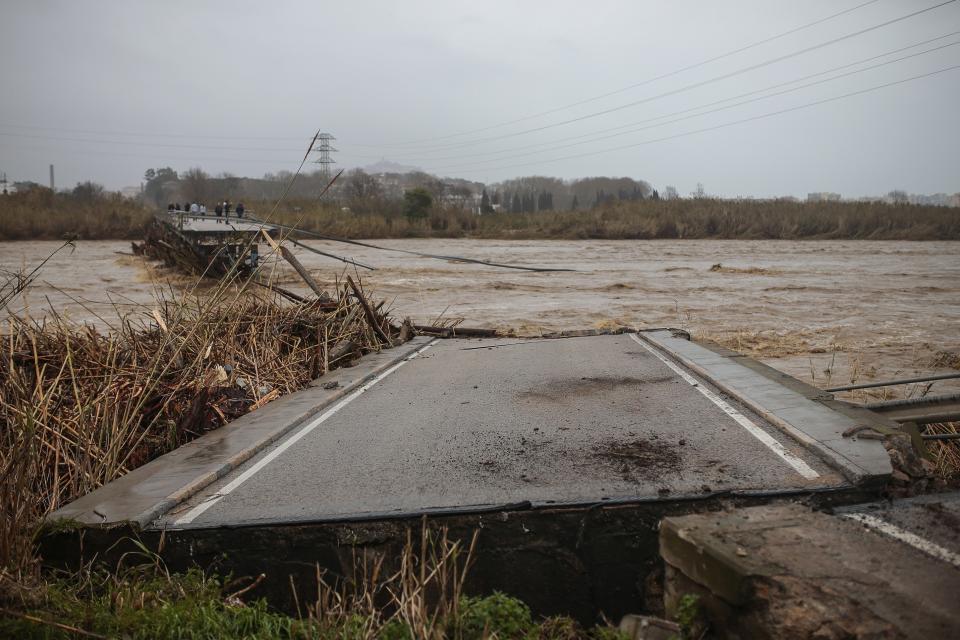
(563, 453)
(204, 244)
(459, 426)
(492, 423)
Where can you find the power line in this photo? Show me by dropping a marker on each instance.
(710, 104)
(166, 158)
(131, 143)
(735, 122)
(146, 134)
(627, 130)
(481, 140)
(141, 144)
(648, 81)
(695, 85)
(408, 252)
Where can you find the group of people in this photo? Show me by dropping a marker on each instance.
(222, 209)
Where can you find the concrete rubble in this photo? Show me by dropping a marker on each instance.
(786, 571)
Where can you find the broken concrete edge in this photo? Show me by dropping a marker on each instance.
(834, 496)
(852, 471)
(179, 468)
(452, 334)
(723, 573)
(691, 545)
(781, 570)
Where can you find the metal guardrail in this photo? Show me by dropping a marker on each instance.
(927, 410)
(893, 383)
(184, 215)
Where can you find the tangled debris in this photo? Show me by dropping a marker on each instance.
(80, 407)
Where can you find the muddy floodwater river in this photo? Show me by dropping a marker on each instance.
(826, 312)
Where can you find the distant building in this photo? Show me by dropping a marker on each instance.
(936, 199)
(131, 192)
(823, 196)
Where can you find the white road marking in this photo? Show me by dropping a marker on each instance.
(912, 539)
(192, 515)
(798, 465)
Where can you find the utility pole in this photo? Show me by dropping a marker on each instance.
(325, 161)
(52, 187)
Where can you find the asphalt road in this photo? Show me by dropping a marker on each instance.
(484, 423)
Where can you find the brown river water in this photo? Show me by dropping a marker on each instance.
(827, 312)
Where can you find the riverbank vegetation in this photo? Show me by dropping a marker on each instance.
(422, 599)
(652, 219)
(80, 407)
(88, 213)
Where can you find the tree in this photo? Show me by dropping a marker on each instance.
(544, 201)
(516, 206)
(155, 180)
(529, 203)
(195, 185)
(575, 204)
(230, 183)
(485, 203)
(699, 193)
(670, 193)
(88, 191)
(417, 203)
(362, 186)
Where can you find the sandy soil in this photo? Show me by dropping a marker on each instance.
(827, 312)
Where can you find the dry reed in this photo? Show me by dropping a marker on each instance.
(80, 407)
(422, 593)
(42, 214)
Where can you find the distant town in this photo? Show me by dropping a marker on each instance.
(387, 181)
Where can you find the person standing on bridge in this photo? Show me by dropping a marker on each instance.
(226, 208)
(219, 211)
(194, 208)
(240, 209)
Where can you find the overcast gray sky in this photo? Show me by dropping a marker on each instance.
(104, 90)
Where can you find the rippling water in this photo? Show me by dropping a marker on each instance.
(819, 310)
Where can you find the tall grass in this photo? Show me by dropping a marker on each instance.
(650, 219)
(43, 214)
(80, 407)
(420, 596)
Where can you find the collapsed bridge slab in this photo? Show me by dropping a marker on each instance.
(563, 453)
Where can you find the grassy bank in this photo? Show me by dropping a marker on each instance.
(650, 219)
(153, 605)
(41, 214)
